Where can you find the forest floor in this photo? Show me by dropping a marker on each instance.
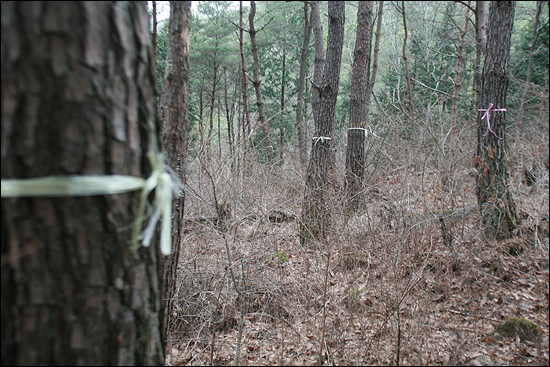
(408, 277)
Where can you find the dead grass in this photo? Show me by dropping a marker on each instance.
(412, 264)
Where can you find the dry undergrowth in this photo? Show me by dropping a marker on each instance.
(410, 274)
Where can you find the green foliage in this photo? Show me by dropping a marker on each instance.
(283, 257)
(527, 330)
(539, 74)
(162, 48)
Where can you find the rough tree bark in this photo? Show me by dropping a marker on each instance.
(494, 197)
(78, 97)
(315, 213)
(300, 128)
(355, 153)
(175, 117)
(256, 82)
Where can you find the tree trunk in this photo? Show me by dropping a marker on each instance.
(78, 98)
(375, 55)
(531, 57)
(315, 212)
(211, 114)
(175, 116)
(155, 31)
(481, 41)
(407, 67)
(456, 82)
(256, 83)
(300, 128)
(282, 130)
(246, 126)
(229, 113)
(358, 112)
(494, 198)
(319, 61)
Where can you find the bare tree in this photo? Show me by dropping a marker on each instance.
(315, 213)
(494, 197)
(355, 153)
(175, 116)
(78, 98)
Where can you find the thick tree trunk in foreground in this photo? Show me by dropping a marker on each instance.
(315, 212)
(494, 198)
(78, 97)
(355, 153)
(175, 117)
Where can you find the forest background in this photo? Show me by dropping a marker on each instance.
(418, 188)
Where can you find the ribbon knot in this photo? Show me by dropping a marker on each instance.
(321, 139)
(488, 115)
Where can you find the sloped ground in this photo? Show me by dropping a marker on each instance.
(410, 269)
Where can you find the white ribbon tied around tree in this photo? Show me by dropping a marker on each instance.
(160, 180)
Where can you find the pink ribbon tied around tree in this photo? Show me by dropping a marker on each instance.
(488, 115)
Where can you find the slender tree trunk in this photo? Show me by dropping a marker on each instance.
(175, 114)
(300, 128)
(211, 114)
(256, 83)
(358, 112)
(219, 129)
(494, 198)
(78, 98)
(407, 67)
(457, 82)
(315, 213)
(481, 41)
(201, 121)
(319, 61)
(375, 55)
(282, 130)
(229, 115)
(246, 126)
(531, 57)
(155, 31)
